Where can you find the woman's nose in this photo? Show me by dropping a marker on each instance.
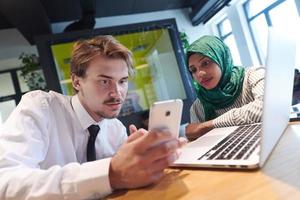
(201, 74)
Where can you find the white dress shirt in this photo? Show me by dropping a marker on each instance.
(43, 150)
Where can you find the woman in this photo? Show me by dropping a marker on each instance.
(227, 95)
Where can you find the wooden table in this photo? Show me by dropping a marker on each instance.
(278, 179)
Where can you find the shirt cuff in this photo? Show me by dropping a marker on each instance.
(95, 179)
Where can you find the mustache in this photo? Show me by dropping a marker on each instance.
(113, 101)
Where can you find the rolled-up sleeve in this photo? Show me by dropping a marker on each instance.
(250, 112)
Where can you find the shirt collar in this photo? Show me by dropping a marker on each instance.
(83, 116)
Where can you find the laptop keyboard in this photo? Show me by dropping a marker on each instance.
(240, 144)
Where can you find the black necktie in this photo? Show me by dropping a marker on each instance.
(91, 152)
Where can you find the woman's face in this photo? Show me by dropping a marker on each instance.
(206, 72)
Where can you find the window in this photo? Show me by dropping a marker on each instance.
(225, 32)
(263, 14)
(12, 87)
(282, 14)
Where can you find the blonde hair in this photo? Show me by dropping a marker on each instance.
(105, 45)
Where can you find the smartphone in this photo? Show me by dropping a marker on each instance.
(166, 114)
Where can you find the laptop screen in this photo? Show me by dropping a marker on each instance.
(280, 66)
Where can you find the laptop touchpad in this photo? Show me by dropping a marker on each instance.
(207, 140)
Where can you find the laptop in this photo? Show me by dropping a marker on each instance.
(248, 146)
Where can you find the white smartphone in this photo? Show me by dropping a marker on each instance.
(166, 114)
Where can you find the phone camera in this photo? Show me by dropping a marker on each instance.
(168, 113)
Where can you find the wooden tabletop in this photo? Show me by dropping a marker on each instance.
(278, 179)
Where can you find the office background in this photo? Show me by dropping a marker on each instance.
(242, 24)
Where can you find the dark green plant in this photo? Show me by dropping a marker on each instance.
(30, 63)
(29, 71)
(184, 40)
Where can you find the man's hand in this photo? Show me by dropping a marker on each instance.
(195, 130)
(143, 158)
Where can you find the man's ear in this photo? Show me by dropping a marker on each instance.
(76, 82)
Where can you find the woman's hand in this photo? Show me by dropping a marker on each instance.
(195, 130)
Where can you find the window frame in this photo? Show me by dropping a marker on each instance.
(266, 13)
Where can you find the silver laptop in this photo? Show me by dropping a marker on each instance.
(248, 146)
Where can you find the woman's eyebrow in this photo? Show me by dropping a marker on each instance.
(200, 59)
(203, 57)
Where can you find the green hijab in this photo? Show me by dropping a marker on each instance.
(231, 82)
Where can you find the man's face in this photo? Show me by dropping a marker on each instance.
(103, 89)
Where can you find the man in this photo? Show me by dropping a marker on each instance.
(46, 142)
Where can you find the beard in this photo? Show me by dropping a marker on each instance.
(105, 115)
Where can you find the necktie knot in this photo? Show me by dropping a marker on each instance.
(91, 152)
(93, 130)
